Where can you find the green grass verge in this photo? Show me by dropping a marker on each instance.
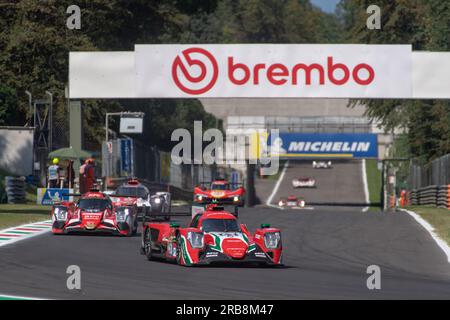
(11, 298)
(437, 217)
(16, 214)
(373, 180)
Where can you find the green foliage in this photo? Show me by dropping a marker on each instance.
(34, 47)
(8, 105)
(425, 24)
(373, 181)
(263, 21)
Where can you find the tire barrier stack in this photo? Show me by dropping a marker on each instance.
(438, 196)
(15, 189)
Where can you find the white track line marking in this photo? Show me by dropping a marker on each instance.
(366, 187)
(277, 185)
(275, 206)
(441, 243)
(15, 237)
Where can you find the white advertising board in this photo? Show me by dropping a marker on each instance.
(274, 70)
(131, 124)
(147, 73)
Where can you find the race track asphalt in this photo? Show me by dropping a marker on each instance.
(342, 184)
(326, 253)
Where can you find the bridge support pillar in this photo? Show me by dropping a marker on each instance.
(76, 129)
(250, 193)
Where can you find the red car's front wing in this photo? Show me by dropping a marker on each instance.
(76, 227)
(209, 256)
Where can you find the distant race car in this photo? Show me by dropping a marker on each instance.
(291, 202)
(213, 236)
(304, 183)
(95, 212)
(321, 164)
(159, 202)
(220, 192)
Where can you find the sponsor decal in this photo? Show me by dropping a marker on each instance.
(188, 55)
(274, 70)
(217, 194)
(90, 225)
(212, 254)
(347, 145)
(260, 254)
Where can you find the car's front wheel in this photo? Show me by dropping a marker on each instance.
(135, 226)
(178, 255)
(148, 244)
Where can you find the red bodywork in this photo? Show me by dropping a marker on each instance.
(198, 245)
(118, 217)
(219, 192)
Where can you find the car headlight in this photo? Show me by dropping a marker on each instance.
(122, 214)
(157, 200)
(272, 240)
(195, 239)
(60, 213)
(236, 199)
(280, 203)
(200, 197)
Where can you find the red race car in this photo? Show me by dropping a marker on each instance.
(220, 192)
(212, 236)
(95, 212)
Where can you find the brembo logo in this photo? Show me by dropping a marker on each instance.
(195, 83)
(192, 76)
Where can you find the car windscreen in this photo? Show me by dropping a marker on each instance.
(220, 186)
(220, 225)
(93, 204)
(138, 192)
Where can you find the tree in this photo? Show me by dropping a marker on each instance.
(425, 25)
(8, 105)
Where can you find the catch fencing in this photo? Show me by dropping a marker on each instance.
(435, 173)
(155, 167)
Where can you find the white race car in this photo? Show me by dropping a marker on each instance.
(321, 164)
(158, 202)
(292, 202)
(304, 183)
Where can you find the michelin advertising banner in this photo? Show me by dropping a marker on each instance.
(331, 145)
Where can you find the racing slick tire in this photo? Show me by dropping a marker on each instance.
(147, 249)
(178, 255)
(135, 227)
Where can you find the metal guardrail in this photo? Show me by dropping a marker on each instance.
(434, 195)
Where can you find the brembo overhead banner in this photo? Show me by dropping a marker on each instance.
(329, 145)
(273, 70)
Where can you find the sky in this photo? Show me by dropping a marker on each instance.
(326, 5)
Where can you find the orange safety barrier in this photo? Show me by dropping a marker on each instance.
(402, 198)
(448, 196)
(392, 201)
